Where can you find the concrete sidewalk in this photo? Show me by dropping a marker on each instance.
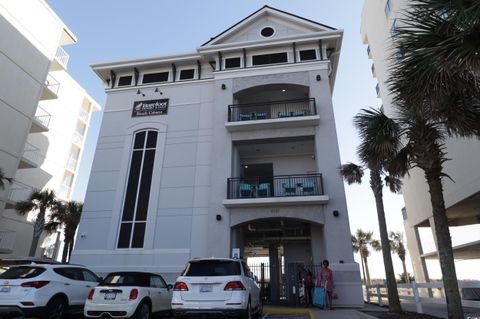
(272, 312)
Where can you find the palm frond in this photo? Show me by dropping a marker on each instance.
(351, 173)
(393, 183)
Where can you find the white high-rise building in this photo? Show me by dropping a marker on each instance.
(44, 115)
(462, 197)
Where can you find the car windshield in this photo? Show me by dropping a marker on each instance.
(212, 268)
(126, 279)
(22, 272)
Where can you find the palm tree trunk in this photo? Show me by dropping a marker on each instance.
(33, 246)
(70, 249)
(367, 272)
(65, 250)
(363, 271)
(38, 227)
(445, 251)
(393, 299)
(405, 273)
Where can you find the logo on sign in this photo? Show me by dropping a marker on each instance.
(149, 108)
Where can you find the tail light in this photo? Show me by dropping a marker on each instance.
(133, 294)
(180, 286)
(35, 284)
(90, 294)
(234, 285)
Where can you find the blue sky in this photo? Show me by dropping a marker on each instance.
(110, 30)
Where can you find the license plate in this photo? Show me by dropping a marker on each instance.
(5, 289)
(206, 288)
(110, 296)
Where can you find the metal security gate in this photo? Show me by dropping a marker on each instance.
(280, 285)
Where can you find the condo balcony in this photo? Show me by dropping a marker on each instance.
(83, 116)
(7, 241)
(77, 138)
(17, 192)
(72, 164)
(50, 89)
(60, 60)
(272, 106)
(64, 191)
(31, 157)
(40, 121)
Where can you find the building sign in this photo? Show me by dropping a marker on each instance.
(149, 108)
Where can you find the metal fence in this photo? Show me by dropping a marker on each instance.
(42, 116)
(271, 110)
(275, 186)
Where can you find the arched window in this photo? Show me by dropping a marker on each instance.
(135, 206)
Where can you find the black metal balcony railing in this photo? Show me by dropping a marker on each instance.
(271, 110)
(275, 186)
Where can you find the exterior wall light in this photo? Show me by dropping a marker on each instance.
(224, 86)
(319, 78)
(158, 91)
(218, 217)
(140, 92)
(336, 213)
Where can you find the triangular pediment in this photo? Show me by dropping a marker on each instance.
(282, 23)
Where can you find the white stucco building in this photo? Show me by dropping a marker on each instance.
(231, 146)
(462, 197)
(44, 115)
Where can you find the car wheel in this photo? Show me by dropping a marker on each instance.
(143, 311)
(248, 311)
(56, 308)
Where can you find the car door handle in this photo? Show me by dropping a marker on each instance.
(88, 286)
(67, 284)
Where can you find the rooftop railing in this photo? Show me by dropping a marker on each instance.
(275, 186)
(62, 56)
(271, 110)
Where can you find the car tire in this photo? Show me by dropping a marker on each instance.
(56, 308)
(248, 311)
(143, 311)
(259, 309)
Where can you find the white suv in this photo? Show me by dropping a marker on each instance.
(216, 286)
(45, 290)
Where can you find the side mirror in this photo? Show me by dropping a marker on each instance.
(100, 279)
(169, 287)
(255, 278)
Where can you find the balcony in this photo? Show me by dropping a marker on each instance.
(50, 89)
(31, 157)
(64, 191)
(18, 192)
(369, 52)
(60, 60)
(304, 189)
(261, 115)
(7, 241)
(374, 74)
(72, 164)
(377, 89)
(40, 121)
(83, 116)
(77, 138)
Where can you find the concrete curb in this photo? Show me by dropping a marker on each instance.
(288, 311)
(365, 316)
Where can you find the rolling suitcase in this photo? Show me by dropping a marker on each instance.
(319, 297)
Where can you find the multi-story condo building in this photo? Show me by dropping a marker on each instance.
(44, 115)
(230, 150)
(462, 197)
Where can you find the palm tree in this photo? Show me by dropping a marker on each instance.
(39, 201)
(66, 215)
(434, 82)
(375, 151)
(4, 179)
(361, 242)
(397, 246)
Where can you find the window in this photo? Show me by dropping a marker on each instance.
(23, 272)
(213, 267)
(89, 276)
(388, 8)
(125, 80)
(232, 63)
(70, 273)
(187, 74)
(267, 32)
(270, 58)
(157, 282)
(135, 208)
(155, 77)
(127, 279)
(306, 55)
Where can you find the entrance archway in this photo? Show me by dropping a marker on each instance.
(275, 250)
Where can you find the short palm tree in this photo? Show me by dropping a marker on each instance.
(398, 247)
(361, 242)
(375, 151)
(39, 202)
(434, 82)
(4, 179)
(66, 215)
